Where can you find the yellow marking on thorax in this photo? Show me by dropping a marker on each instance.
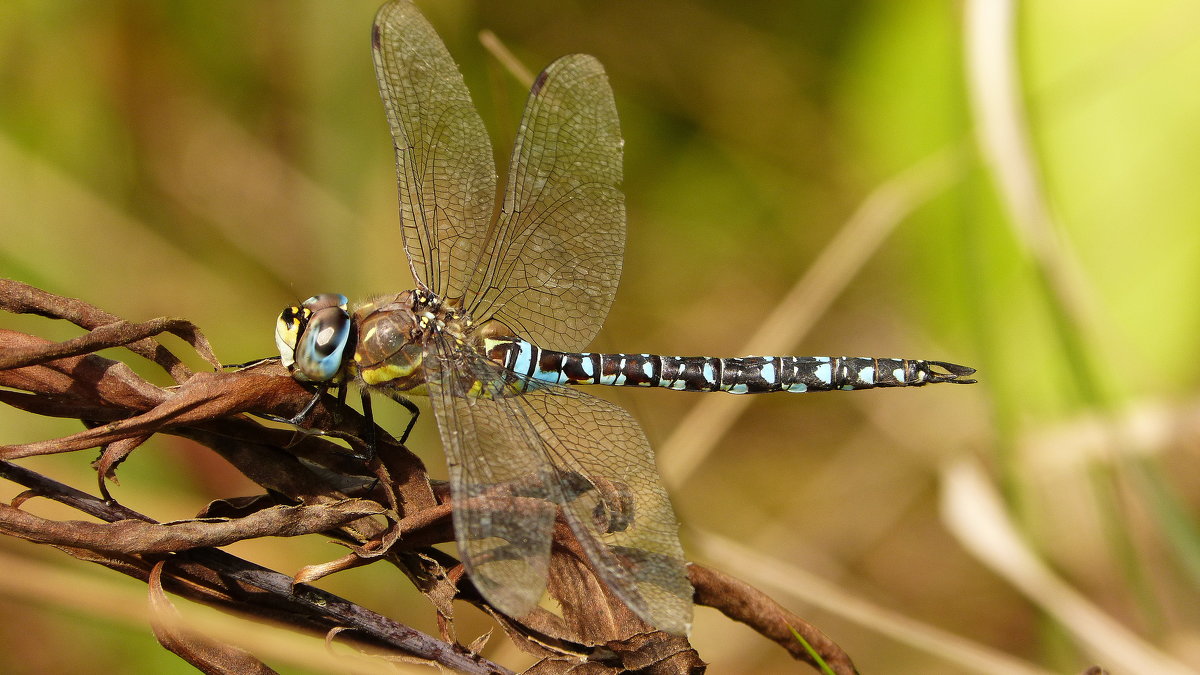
(385, 373)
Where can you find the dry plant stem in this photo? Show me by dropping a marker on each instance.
(742, 602)
(137, 537)
(19, 298)
(210, 575)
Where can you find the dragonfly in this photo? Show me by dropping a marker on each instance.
(511, 287)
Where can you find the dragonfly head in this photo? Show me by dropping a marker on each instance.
(313, 337)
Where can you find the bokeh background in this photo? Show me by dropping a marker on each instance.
(1009, 187)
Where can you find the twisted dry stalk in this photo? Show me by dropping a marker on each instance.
(384, 510)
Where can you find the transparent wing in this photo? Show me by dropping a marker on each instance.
(444, 168)
(554, 260)
(515, 458)
(502, 490)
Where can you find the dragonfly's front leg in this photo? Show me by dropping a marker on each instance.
(297, 421)
(298, 418)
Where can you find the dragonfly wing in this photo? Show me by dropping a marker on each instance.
(514, 459)
(444, 167)
(504, 505)
(554, 259)
(622, 516)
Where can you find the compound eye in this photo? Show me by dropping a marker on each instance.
(323, 300)
(321, 348)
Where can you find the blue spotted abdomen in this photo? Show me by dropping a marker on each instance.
(741, 375)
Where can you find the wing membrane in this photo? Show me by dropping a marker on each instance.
(515, 458)
(504, 513)
(445, 173)
(624, 521)
(554, 259)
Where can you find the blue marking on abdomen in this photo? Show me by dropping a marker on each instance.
(768, 372)
(824, 372)
(522, 362)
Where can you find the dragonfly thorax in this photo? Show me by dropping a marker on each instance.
(393, 332)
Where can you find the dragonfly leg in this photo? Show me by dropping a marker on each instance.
(398, 398)
(296, 421)
(412, 421)
(370, 436)
(299, 417)
(248, 364)
(369, 417)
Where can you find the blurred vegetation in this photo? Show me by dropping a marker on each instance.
(217, 160)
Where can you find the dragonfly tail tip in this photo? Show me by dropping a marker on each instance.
(953, 373)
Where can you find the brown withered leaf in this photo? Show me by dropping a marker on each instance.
(653, 653)
(596, 633)
(225, 581)
(236, 507)
(203, 398)
(539, 634)
(440, 586)
(311, 573)
(592, 614)
(105, 330)
(84, 387)
(113, 454)
(205, 655)
(479, 643)
(557, 666)
(659, 653)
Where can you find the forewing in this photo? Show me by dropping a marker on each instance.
(554, 259)
(444, 168)
(514, 458)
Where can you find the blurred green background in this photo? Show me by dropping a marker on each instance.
(217, 160)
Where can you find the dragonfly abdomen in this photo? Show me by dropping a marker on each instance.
(739, 375)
